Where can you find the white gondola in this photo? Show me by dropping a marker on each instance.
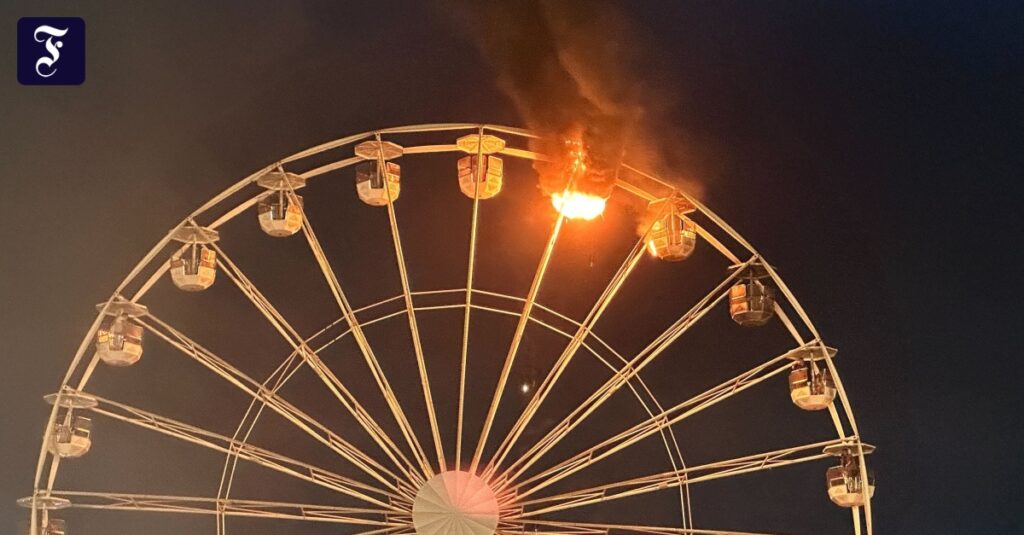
(194, 268)
(489, 182)
(55, 526)
(46, 526)
(811, 386)
(752, 300)
(484, 184)
(371, 185)
(376, 185)
(119, 338)
(845, 484)
(71, 437)
(119, 343)
(673, 236)
(280, 210)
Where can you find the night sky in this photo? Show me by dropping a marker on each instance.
(870, 150)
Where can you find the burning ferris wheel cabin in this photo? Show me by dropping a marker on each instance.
(507, 451)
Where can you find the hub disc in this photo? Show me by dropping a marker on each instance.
(455, 502)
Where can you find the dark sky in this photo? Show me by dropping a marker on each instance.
(871, 150)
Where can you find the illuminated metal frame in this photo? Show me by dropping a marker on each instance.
(389, 497)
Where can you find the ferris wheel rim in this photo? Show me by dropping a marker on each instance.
(215, 201)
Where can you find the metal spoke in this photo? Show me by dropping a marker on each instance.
(291, 365)
(585, 327)
(470, 271)
(674, 478)
(110, 501)
(414, 329)
(348, 313)
(654, 424)
(241, 450)
(249, 386)
(517, 338)
(297, 342)
(628, 371)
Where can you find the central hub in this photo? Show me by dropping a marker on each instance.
(455, 502)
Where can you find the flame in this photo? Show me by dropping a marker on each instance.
(577, 156)
(571, 202)
(578, 205)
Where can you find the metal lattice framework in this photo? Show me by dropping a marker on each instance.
(387, 487)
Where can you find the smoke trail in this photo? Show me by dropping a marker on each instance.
(571, 68)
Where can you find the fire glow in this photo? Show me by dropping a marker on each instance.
(578, 205)
(571, 202)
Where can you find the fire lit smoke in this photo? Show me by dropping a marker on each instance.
(567, 65)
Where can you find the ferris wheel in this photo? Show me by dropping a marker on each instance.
(444, 436)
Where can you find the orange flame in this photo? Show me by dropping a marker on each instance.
(578, 205)
(571, 202)
(652, 248)
(577, 159)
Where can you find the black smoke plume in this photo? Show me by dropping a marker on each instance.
(572, 68)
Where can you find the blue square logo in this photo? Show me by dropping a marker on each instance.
(51, 51)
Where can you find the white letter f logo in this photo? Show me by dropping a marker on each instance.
(52, 47)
